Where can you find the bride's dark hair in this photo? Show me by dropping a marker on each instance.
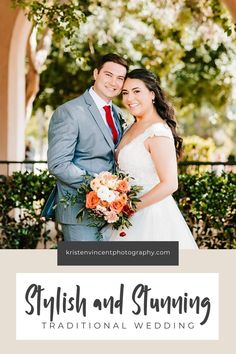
(163, 107)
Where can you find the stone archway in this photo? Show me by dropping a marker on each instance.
(14, 31)
(16, 88)
(231, 7)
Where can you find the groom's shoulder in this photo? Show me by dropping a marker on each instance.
(75, 102)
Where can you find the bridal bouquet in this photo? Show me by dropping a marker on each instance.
(108, 198)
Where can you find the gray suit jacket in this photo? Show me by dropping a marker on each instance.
(79, 142)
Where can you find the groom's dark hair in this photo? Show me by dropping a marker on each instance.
(115, 58)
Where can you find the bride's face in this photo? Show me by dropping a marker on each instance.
(136, 97)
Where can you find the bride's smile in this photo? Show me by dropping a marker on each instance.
(138, 99)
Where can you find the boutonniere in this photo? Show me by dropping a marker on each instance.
(126, 121)
(123, 122)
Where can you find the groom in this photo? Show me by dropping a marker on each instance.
(82, 137)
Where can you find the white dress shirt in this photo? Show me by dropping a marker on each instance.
(100, 103)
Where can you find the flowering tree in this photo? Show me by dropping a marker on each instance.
(189, 44)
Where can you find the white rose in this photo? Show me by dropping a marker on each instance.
(105, 194)
(102, 192)
(111, 197)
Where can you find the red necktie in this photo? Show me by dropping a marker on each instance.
(110, 122)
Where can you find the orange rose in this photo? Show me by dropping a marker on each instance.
(123, 186)
(92, 200)
(117, 206)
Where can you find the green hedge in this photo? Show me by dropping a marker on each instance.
(21, 198)
(207, 202)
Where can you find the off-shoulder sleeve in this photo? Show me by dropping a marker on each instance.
(159, 129)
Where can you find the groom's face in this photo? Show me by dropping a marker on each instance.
(109, 80)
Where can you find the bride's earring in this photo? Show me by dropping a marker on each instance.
(153, 100)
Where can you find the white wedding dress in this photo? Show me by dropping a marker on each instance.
(161, 221)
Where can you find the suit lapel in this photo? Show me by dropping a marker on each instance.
(118, 125)
(98, 119)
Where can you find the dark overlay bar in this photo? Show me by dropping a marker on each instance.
(118, 253)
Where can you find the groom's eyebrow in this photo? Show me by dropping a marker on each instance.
(109, 72)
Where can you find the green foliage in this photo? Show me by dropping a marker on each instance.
(21, 198)
(205, 80)
(208, 203)
(62, 80)
(198, 149)
(184, 43)
(63, 17)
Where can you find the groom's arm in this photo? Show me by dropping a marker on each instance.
(63, 135)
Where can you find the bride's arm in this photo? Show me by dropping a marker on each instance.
(163, 154)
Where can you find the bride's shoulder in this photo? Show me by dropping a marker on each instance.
(159, 129)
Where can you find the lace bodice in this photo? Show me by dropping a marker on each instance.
(136, 160)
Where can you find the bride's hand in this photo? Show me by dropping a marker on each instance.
(139, 205)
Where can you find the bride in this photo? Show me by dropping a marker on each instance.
(147, 152)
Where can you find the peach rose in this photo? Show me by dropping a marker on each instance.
(123, 198)
(112, 183)
(105, 177)
(95, 184)
(123, 186)
(92, 200)
(117, 206)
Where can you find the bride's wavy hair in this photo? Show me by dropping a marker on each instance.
(163, 107)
